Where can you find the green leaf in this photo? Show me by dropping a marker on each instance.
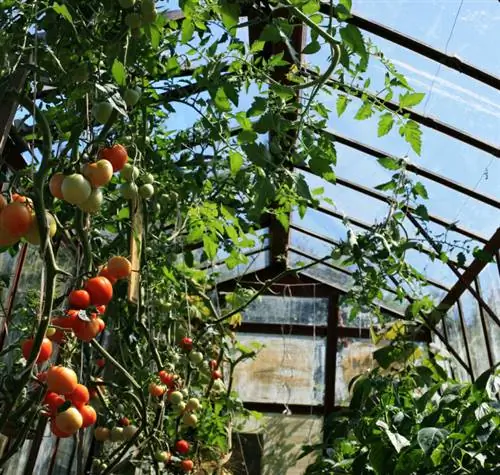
(257, 46)
(430, 437)
(124, 213)
(63, 11)
(119, 73)
(230, 13)
(210, 247)
(187, 30)
(390, 163)
(235, 162)
(413, 135)
(411, 99)
(351, 35)
(421, 211)
(322, 167)
(343, 9)
(342, 102)
(385, 124)
(390, 185)
(380, 458)
(312, 6)
(221, 101)
(312, 47)
(284, 92)
(482, 255)
(365, 111)
(420, 190)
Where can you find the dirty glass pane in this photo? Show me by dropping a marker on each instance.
(289, 310)
(490, 290)
(255, 262)
(283, 436)
(287, 370)
(456, 341)
(475, 334)
(15, 466)
(355, 357)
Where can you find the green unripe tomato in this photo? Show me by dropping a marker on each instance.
(218, 385)
(126, 4)
(179, 408)
(162, 456)
(190, 420)
(148, 11)
(196, 357)
(102, 112)
(129, 172)
(132, 96)
(147, 191)
(193, 404)
(133, 21)
(148, 178)
(129, 191)
(176, 397)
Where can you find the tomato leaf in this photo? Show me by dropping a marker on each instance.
(63, 11)
(411, 99)
(235, 162)
(385, 124)
(119, 73)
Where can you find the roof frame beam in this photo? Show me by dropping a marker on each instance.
(421, 171)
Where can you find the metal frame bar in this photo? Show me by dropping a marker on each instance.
(424, 120)
(333, 242)
(464, 335)
(452, 62)
(455, 270)
(424, 172)
(468, 276)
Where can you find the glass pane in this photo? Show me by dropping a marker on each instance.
(490, 290)
(283, 437)
(288, 370)
(255, 262)
(354, 356)
(301, 310)
(475, 335)
(456, 341)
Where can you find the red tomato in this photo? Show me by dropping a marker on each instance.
(156, 390)
(89, 415)
(102, 324)
(100, 290)
(79, 299)
(86, 331)
(101, 309)
(186, 343)
(182, 446)
(213, 365)
(80, 396)
(45, 350)
(124, 421)
(100, 362)
(187, 465)
(61, 380)
(93, 393)
(58, 432)
(166, 378)
(54, 401)
(117, 155)
(104, 272)
(216, 374)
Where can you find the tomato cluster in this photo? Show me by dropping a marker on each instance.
(17, 220)
(88, 305)
(67, 402)
(83, 189)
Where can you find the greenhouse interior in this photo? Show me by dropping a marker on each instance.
(249, 237)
